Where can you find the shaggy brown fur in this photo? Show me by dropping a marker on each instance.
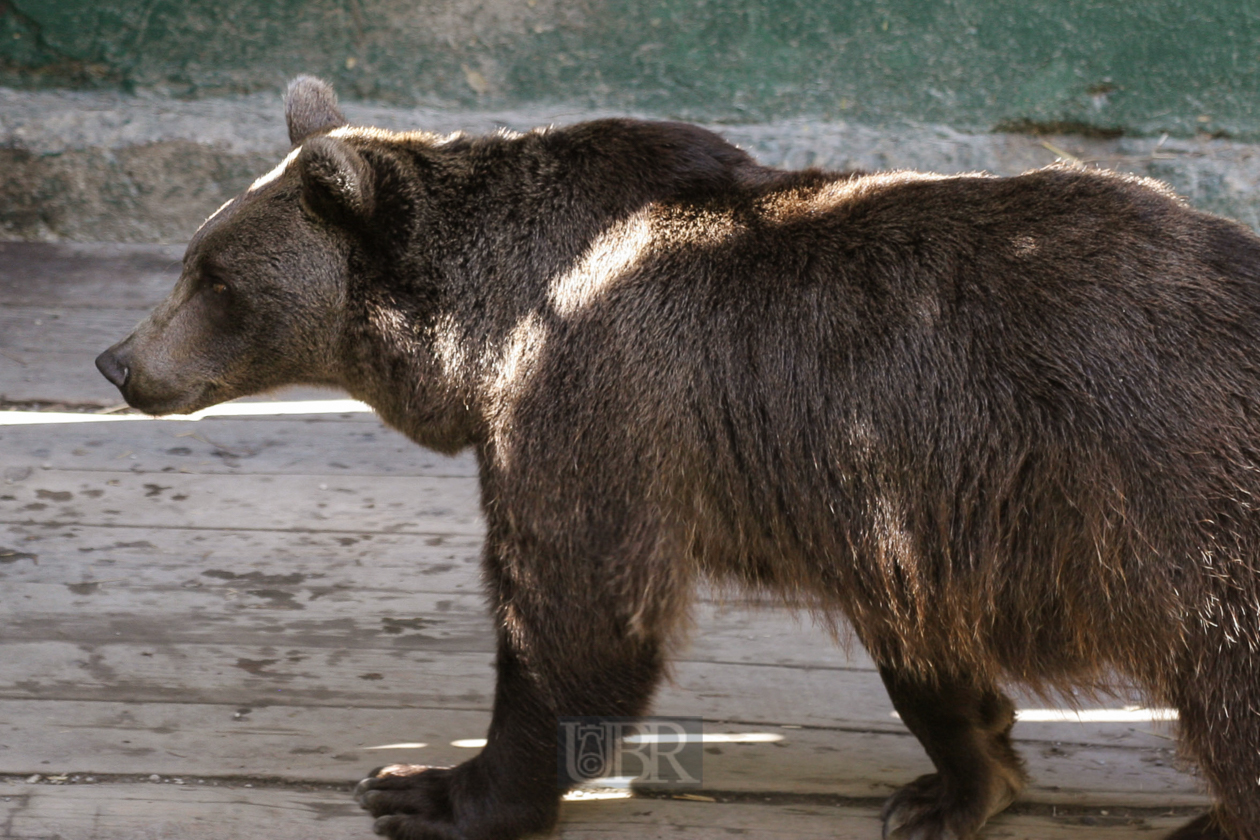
(1008, 427)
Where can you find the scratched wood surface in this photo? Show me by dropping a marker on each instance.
(263, 608)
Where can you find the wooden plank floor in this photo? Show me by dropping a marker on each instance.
(211, 629)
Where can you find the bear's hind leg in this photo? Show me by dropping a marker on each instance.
(965, 730)
(1218, 703)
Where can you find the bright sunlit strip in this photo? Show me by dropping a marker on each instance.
(602, 782)
(234, 409)
(1129, 714)
(403, 746)
(1126, 715)
(37, 418)
(605, 787)
(251, 409)
(594, 794)
(708, 738)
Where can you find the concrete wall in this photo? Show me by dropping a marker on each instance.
(131, 119)
(1146, 65)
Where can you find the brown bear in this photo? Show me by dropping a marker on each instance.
(1008, 427)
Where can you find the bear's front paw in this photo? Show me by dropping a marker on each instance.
(414, 802)
(411, 802)
(926, 810)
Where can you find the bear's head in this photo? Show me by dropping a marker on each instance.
(261, 296)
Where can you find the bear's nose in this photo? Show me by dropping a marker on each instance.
(113, 367)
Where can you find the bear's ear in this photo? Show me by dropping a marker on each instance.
(337, 183)
(310, 106)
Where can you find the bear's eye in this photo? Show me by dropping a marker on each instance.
(214, 281)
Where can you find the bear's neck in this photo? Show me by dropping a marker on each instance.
(522, 233)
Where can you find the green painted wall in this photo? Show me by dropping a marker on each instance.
(1139, 66)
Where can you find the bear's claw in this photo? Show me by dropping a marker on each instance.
(409, 790)
(924, 810)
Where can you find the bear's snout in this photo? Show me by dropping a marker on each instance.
(114, 365)
(141, 385)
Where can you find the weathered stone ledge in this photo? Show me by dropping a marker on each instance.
(112, 167)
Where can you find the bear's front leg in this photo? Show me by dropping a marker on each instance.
(563, 650)
(508, 790)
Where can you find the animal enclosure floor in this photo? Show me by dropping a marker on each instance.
(212, 629)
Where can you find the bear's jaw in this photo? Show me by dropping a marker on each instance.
(157, 404)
